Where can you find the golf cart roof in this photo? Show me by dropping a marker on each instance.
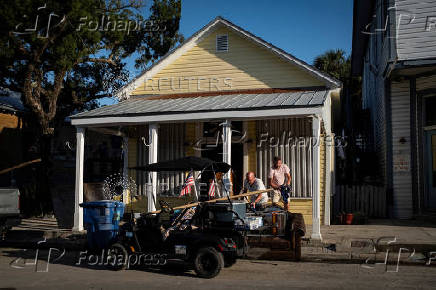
(186, 164)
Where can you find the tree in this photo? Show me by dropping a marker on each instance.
(65, 55)
(334, 62)
(78, 45)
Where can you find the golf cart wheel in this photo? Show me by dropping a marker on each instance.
(118, 256)
(208, 262)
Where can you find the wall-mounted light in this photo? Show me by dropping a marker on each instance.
(402, 140)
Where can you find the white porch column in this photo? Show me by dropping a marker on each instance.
(227, 145)
(126, 195)
(245, 148)
(152, 158)
(80, 153)
(329, 170)
(316, 132)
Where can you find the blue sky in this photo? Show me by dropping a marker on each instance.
(304, 28)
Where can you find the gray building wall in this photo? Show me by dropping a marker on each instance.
(416, 33)
(410, 35)
(402, 200)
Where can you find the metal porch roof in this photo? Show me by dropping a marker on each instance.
(144, 106)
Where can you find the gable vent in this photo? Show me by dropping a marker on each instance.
(222, 42)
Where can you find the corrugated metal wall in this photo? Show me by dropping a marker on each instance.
(171, 146)
(402, 180)
(289, 139)
(171, 139)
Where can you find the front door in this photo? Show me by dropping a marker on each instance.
(430, 146)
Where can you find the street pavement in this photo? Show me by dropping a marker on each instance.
(245, 274)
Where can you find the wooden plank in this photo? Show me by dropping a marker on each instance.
(352, 199)
(377, 201)
(367, 200)
(215, 200)
(20, 165)
(358, 190)
(371, 201)
(342, 198)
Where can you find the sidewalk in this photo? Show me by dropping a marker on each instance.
(43, 233)
(352, 243)
(348, 243)
(405, 231)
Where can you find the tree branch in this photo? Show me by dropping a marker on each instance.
(102, 60)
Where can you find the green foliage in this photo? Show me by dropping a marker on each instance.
(334, 62)
(75, 53)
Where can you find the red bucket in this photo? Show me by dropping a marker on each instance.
(349, 218)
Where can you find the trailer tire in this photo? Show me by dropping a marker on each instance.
(208, 262)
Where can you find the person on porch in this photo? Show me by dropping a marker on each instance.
(251, 183)
(278, 174)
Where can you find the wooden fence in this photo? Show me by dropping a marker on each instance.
(367, 199)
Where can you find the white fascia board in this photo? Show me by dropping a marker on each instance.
(188, 117)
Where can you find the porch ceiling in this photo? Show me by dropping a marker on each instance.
(245, 104)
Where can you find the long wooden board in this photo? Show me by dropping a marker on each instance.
(218, 199)
(3, 171)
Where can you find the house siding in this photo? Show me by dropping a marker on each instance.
(400, 117)
(10, 121)
(244, 66)
(190, 139)
(416, 39)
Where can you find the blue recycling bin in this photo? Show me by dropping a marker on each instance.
(101, 219)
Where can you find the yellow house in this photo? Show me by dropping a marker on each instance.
(228, 95)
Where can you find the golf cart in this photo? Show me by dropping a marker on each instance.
(201, 234)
